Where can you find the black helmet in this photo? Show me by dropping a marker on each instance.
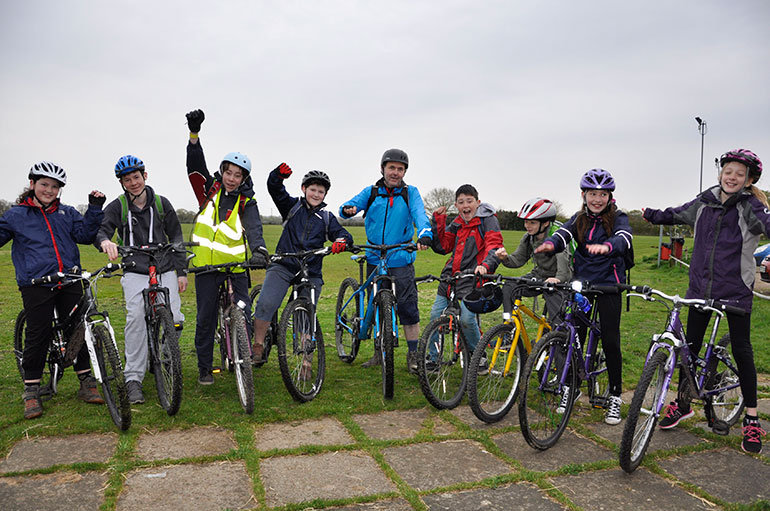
(486, 298)
(317, 177)
(396, 155)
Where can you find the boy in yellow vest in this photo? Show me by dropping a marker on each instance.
(228, 222)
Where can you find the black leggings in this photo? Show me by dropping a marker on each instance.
(740, 339)
(609, 307)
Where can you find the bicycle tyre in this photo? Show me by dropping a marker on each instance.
(18, 340)
(244, 376)
(385, 340)
(113, 381)
(638, 433)
(599, 385)
(541, 425)
(167, 362)
(492, 395)
(442, 362)
(295, 325)
(220, 334)
(347, 342)
(729, 404)
(269, 341)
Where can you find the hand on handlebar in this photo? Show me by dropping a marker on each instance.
(424, 243)
(110, 248)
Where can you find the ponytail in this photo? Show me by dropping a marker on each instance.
(25, 194)
(759, 194)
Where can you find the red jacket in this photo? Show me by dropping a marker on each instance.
(468, 242)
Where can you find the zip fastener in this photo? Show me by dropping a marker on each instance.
(710, 282)
(53, 240)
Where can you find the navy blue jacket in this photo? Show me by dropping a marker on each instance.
(305, 230)
(45, 242)
(597, 268)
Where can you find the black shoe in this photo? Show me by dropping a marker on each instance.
(135, 396)
(411, 362)
(205, 377)
(674, 415)
(752, 436)
(376, 360)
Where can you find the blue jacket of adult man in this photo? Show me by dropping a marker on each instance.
(391, 218)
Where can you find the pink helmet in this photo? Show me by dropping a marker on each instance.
(748, 158)
(538, 209)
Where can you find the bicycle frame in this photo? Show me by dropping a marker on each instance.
(373, 285)
(521, 333)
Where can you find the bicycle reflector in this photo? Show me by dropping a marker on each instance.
(485, 299)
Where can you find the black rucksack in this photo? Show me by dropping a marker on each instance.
(324, 214)
(375, 192)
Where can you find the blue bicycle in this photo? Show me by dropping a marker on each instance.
(366, 305)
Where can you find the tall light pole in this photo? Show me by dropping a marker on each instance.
(702, 130)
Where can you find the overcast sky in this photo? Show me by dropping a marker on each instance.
(516, 98)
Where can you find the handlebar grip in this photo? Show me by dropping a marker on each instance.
(605, 288)
(731, 309)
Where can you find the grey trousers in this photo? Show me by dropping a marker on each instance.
(136, 328)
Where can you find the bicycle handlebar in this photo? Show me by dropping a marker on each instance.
(409, 247)
(179, 246)
(224, 266)
(457, 276)
(646, 292)
(75, 273)
(323, 251)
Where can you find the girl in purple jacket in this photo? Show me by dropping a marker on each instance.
(603, 236)
(728, 219)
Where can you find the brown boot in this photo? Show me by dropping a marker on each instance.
(376, 360)
(33, 408)
(88, 391)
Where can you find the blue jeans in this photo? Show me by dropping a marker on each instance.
(467, 320)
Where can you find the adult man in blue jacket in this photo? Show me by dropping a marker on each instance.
(392, 212)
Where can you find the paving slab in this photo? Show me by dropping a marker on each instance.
(661, 439)
(724, 473)
(184, 443)
(465, 414)
(380, 505)
(426, 466)
(61, 490)
(217, 485)
(763, 406)
(614, 489)
(571, 448)
(400, 424)
(288, 435)
(36, 453)
(503, 498)
(331, 475)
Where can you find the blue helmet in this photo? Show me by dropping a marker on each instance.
(486, 298)
(127, 164)
(238, 159)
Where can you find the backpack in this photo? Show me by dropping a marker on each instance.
(375, 192)
(324, 214)
(124, 213)
(213, 192)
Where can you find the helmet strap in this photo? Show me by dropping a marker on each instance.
(542, 228)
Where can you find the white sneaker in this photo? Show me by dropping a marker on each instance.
(483, 366)
(612, 416)
(564, 399)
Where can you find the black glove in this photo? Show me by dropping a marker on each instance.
(93, 200)
(258, 260)
(194, 120)
(425, 241)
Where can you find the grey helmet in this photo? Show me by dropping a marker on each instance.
(396, 155)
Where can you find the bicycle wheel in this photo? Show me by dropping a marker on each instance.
(491, 395)
(442, 362)
(598, 384)
(269, 341)
(113, 382)
(728, 404)
(167, 360)
(301, 354)
(347, 340)
(239, 340)
(541, 392)
(385, 339)
(18, 340)
(644, 412)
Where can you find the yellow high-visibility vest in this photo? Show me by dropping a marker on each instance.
(219, 242)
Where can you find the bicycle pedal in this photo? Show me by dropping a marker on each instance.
(216, 370)
(720, 427)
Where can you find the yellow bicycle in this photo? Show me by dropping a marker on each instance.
(505, 347)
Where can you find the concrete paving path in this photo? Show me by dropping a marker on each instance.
(400, 460)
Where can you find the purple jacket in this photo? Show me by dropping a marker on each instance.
(726, 235)
(597, 268)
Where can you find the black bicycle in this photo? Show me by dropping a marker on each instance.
(84, 323)
(163, 355)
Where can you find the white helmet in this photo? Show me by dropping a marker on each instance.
(48, 169)
(538, 209)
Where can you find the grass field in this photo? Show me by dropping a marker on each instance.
(348, 389)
